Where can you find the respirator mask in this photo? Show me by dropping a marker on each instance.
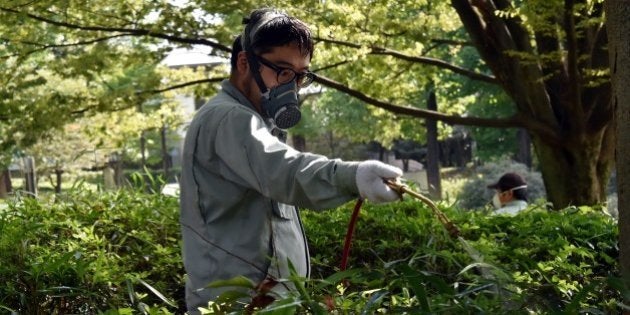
(281, 104)
(496, 202)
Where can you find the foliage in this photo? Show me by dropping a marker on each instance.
(53, 76)
(119, 252)
(86, 252)
(348, 118)
(487, 101)
(537, 262)
(549, 58)
(475, 194)
(66, 151)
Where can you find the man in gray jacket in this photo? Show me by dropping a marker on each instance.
(241, 185)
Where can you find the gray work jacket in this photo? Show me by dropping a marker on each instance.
(238, 185)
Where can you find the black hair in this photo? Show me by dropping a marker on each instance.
(520, 194)
(277, 29)
(236, 48)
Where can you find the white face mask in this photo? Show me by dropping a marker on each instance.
(495, 201)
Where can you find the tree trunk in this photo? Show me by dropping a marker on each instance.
(116, 163)
(331, 143)
(5, 183)
(143, 149)
(30, 177)
(381, 153)
(166, 157)
(58, 173)
(524, 153)
(576, 173)
(433, 158)
(618, 28)
(299, 142)
(143, 141)
(567, 113)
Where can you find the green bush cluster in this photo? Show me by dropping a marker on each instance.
(86, 252)
(537, 262)
(119, 253)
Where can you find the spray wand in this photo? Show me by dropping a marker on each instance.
(400, 188)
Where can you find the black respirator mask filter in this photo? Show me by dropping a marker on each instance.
(281, 104)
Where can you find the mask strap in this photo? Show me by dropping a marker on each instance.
(254, 68)
(519, 187)
(254, 65)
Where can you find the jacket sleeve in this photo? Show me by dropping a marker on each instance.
(254, 158)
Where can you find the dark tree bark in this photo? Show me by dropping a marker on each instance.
(433, 156)
(299, 142)
(618, 25)
(143, 142)
(58, 173)
(6, 186)
(30, 177)
(166, 157)
(143, 150)
(524, 154)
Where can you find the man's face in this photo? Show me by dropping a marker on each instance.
(505, 196)
(283, 59)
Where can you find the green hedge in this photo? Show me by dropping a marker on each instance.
(86, 252)
(538, 261)
(119, 253)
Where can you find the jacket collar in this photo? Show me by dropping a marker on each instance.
(232, 91)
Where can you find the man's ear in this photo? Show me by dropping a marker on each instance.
(242, 65)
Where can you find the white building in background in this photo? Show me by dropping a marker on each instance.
(198, 56)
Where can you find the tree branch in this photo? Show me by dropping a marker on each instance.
(334, 65)
(413, 111)
(183, 85)
(82, 111)
(43, 47)
(514, 26)
(418, 112)
(443, 41)
(87, 42)
(516, 121)
(130, 31)
(174, 87)
(375, 50)
(438, 42)
(476, 29)
(575, 80)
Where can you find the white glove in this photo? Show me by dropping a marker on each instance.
(370, 176)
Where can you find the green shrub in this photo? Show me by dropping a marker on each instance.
(538, 261)
(119, 253)
(85, 252)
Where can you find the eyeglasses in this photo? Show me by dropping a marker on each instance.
(286, 75)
